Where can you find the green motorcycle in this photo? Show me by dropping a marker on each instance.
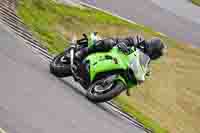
(104, 74)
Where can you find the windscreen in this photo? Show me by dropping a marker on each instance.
(139, 65)
(144, 59)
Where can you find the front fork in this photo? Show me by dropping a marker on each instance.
(73, 66)
(72, 54)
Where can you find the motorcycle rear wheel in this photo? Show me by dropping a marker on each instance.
(99, 92)
(59, 68)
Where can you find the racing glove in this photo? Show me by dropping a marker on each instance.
(123, 47)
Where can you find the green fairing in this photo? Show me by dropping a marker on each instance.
(101, 61)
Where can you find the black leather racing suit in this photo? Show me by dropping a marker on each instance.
(107, 44)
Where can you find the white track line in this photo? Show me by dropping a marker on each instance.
(2, 131)
(113, 14)
(107, 12)
(161, 34)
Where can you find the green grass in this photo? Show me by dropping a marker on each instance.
(196, 2)
(170, 97)
(55, 23)
(135, 113)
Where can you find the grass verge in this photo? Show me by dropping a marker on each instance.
(196, 2)
(170, 96)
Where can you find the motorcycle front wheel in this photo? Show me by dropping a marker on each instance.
(60, 66)
(100, 91)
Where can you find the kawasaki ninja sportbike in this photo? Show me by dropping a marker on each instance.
(104, 74)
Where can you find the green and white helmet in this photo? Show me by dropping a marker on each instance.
(93, 38)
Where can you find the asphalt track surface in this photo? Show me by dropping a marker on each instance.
(34, 101)
(147, 13)
(184, 8)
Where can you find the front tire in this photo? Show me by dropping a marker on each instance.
(104, 94)
(60, 69)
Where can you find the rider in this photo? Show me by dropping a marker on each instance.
(150, 49)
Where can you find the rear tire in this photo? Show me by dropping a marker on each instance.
(116, 88)
(60, 69)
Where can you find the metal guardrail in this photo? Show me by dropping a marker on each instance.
(8, 17)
